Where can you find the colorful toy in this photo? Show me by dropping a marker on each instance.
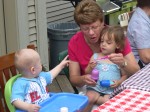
(106, 83)
(95, 74)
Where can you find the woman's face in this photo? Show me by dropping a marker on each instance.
(92, 31)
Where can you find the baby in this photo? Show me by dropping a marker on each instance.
(30, 89)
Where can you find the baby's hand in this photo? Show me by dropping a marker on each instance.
(65, 62)
(33, 108)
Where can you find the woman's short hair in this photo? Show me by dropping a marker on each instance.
(87, 12)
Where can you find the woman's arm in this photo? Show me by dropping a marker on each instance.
(144, 55)
(125, 59)
(131, 66)
(75, 74)
(127, 63)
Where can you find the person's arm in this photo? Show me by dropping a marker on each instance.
(88, 69)
(90, 66)
(144, 55)
(26, 106)
(123, 78)
(76, 78)
(125, 59)
(140, 38)
(127, 63)
(131, 66)
(55, 71)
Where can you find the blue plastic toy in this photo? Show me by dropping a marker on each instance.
(74, 103)
(106, 83)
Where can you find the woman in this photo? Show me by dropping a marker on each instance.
(89, 16)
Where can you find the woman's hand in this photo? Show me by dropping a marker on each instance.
(88, 80)
(117, 59)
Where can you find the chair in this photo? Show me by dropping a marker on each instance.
(124, 19)
(7, 92)
(7, 70)
(61, 56)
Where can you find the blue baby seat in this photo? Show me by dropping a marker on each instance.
(74, 103)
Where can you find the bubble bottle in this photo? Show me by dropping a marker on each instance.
(95, 74)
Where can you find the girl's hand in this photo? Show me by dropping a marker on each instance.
(116, 84)
(92, 64)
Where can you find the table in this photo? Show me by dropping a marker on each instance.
(140, 81)
(129, 100)
(60, 84)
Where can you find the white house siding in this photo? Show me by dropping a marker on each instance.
(59, 11)
(26, 23)
(32, 22)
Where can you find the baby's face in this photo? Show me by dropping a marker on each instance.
(38, 67)
(107, 45)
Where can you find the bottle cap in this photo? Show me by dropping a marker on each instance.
(64, 109)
